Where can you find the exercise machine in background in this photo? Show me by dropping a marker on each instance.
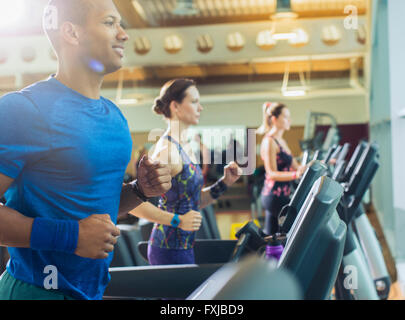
(314, 141)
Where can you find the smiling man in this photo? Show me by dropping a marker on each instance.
(63, 154)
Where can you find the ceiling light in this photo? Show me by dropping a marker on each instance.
(235, 41)
(265, 40)
(28, 54)
(127, 102)
(294, 93)
(205, 43)
(142, 45)
(284, 36)
(185, 8)
(301, 38)
(331, 35)
(173, 44)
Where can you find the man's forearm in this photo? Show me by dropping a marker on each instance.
(129, 200)
(15, 228)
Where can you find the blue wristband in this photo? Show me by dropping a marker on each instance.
(175, 221)
(54, 235)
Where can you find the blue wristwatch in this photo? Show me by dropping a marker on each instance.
(175, 221)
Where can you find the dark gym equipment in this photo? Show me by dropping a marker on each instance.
(325, 243)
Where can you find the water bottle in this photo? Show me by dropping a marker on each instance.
(274, 249)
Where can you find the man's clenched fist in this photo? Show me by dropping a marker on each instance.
(97, 236)
(154, 178)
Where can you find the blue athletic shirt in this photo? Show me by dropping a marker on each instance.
(67, 155)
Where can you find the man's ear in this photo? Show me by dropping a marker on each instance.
(69, 33)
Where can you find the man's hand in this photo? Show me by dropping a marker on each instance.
(97, 236)
(154, 178)
(232, 172)
(191, 221)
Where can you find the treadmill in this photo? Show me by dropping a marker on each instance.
(222, 251)
(355, 280)
(316, 243)
(366, 235)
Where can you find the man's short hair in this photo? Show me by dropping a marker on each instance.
(58, 11)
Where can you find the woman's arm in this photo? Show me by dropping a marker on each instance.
(232, 172)
(191, 221)
(295, 165)
(167, 153)
(299, 168)
(206, 198)
(205, 160)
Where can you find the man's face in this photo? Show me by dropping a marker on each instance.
(102, 38)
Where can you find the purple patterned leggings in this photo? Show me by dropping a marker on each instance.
(162, 256)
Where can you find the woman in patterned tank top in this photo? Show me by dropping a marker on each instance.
(179, 103)
(281, 168)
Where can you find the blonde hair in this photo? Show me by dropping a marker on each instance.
(270, 109)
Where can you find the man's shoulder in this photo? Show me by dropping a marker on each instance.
(26, 103)
(113, 106)
(44, 89)
(108, 102)
(11, 100)
(19, 113)
(26, 94)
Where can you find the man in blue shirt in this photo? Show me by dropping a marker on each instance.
(63, 154)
